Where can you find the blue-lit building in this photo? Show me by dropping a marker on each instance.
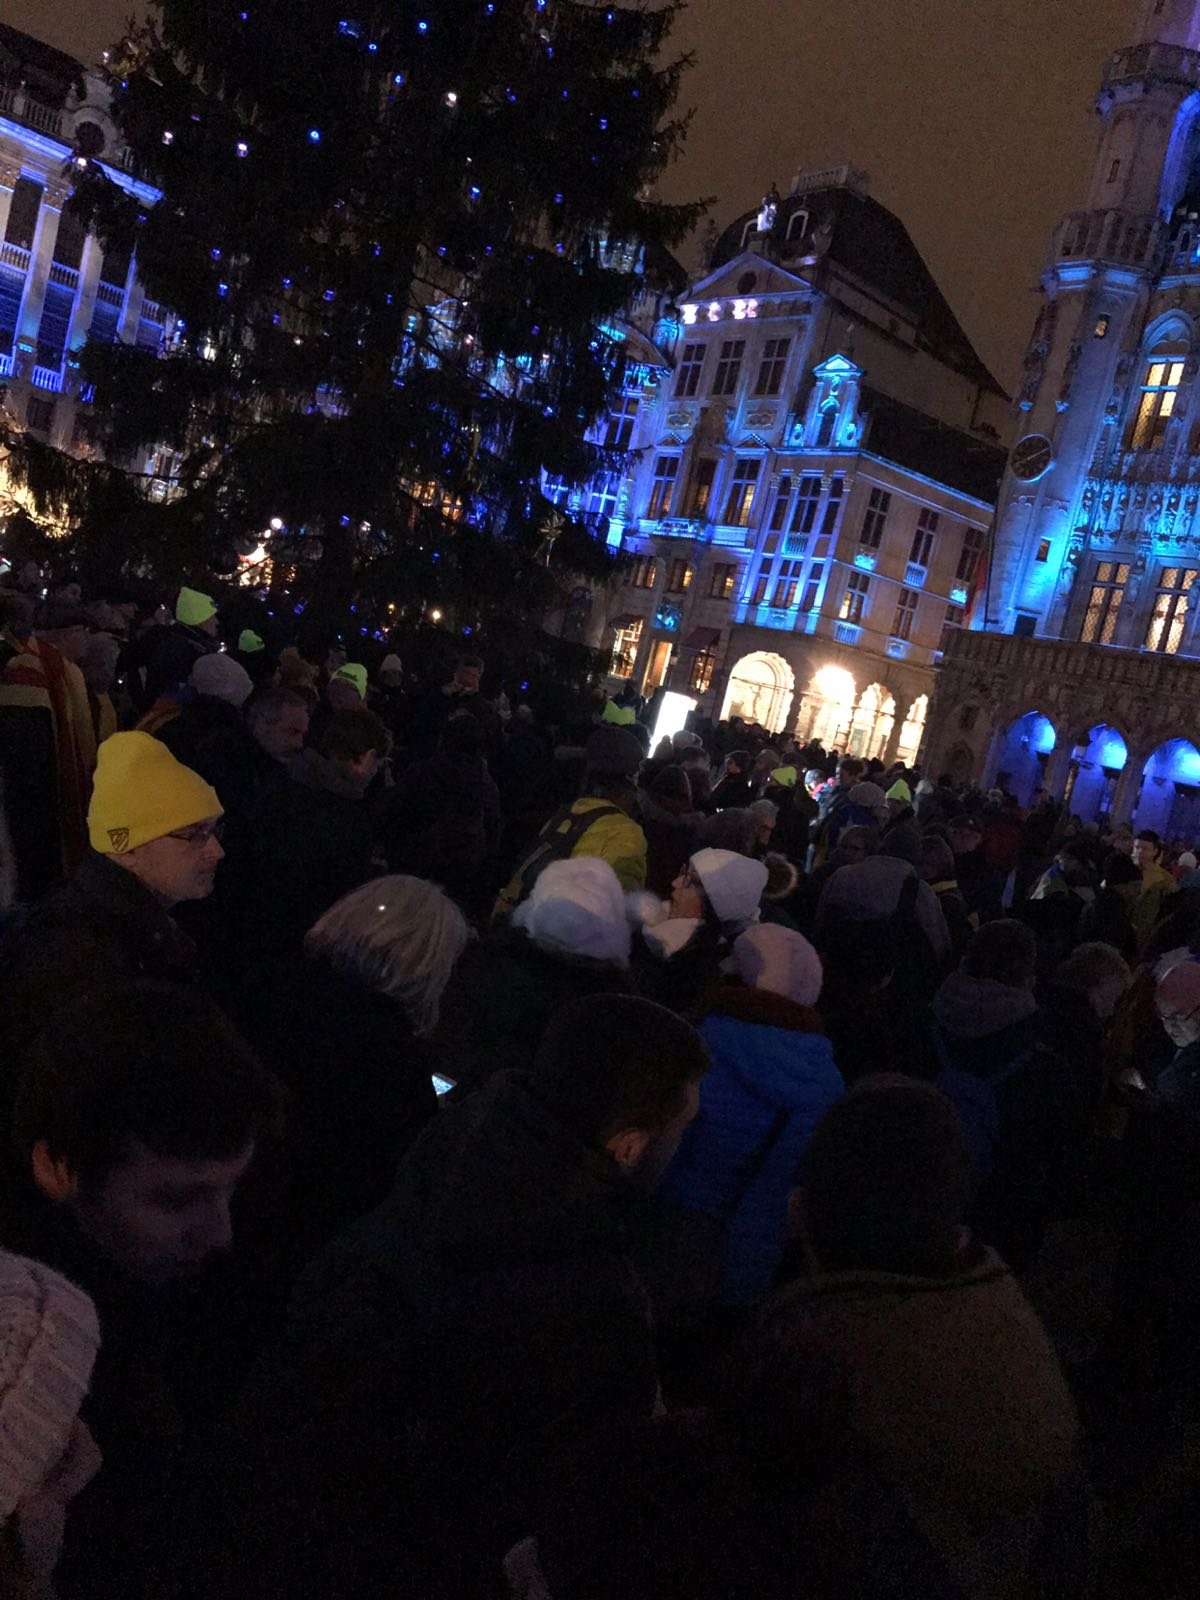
(1086, 679)
(818, 454)
(57, 284)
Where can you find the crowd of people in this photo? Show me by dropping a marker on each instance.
(454, 1150)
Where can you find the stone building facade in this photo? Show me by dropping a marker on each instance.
(1096, 574)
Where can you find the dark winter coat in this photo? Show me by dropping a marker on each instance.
(442, 821)
(735, 789)
(502, 998)
(98, 930)
(209, 736)
(680, 975)
(670, 840)
(166, 656)
(772, 1079)
(1043, 1106)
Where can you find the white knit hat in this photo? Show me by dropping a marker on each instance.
(733, 883)
(779, 959)
(577, 907)
(48, 1342)
(222, 677)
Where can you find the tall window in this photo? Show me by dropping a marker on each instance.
(691, 365)
(906, 612)
(922, 545)
(679, 579)
(773, 366)
(782, 495)
(600, 502)
(741, 492)
(969, 557)
(701, 676)
(621, 419)
(23, 213)
(832, 507)
(854, 601)
(761, 579)
(642, 573)
(786, 584)
(1160, 392)
(875, 520)
(662, 490)
(625, 649)
(1104, 602)
(706, 472)
(1170, 614)
(956, 617)
(812, 589)
(729, 367)
(808, 498)
(724, 576)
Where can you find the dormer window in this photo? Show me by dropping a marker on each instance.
(797, 225)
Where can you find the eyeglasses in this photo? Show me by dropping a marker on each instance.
(199, 833)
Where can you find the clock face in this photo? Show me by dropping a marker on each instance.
(1031, 457)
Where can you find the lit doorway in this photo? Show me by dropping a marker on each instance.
(760, 690)
(660, 665)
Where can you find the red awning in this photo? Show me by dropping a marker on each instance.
(626, 619)
(702, 638)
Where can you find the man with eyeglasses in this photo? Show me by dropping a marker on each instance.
(153, 826)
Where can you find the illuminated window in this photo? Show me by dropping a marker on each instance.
(782, 496)
(786, 584)
(724, 576)
(642, 573)
(774, 364)
(703, 667)
(1102, 326)
(922, 545)
(854, 601)
(621, 420)
(625, 649)
(740, 499)
(762, 578)
(706, 472)
(679, 579)
(875, 520)
(1160, 393)
(729, 367)
(662, 491)
(1104, 602)
(1043, 550)
(974, 540)
(906, 611)
(1170, 614)
(691, 365)
(600, 501)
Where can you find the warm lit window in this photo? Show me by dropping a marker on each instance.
(679, 578)
(703, 668)
(774, 364)
(642, 573)
(724, 576)
(740, 499)
(1043, 550)
(662, 490)
(1104, 602)
(621, 420)
(906, 612)
(1170, 614)
(922, 545)
(1160, 394)
(625, 649)
(729, 367)
(875, 520)
(854, 601)
(974, 540)
(706, 472)
(691, 365)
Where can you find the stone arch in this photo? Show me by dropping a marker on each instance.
(873, 721)
(913, 730)
(827, 707)
(1174, 333)
(1169, 800)
(1098, 758)
(761, 687)
(1025, 751)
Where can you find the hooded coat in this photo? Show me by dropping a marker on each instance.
(772, 1079)
(442, 821)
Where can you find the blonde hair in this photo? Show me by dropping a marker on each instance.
(400, 936)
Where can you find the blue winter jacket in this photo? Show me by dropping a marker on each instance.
(768, 1057)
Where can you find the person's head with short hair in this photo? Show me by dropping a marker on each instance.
(766, 762)
(278, 720)
(468, 674)
(855, 844)
(765, 814)
(737, 763)
(1147, 848)
(1177, 1001)
(1004, 952)
(937, 859)
(66, 626)
(849, 772)
(140, 1112)
(613, 758)
(733, 829)
(98, 662)
(356, 741)
(964, 834)
(623, 1074)
(885, 1182)
(1098, 973)
(155, 818)
(398, 936)
(672, 788)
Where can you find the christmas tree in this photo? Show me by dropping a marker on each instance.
(395, 243)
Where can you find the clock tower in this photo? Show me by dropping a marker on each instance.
(1106, 430)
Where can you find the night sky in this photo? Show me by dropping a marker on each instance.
(972, 117)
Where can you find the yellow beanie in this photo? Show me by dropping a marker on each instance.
(622, 716)
(355, 674)
(192, 607)
(141, 793)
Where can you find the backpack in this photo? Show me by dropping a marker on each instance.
(974, 1099)
(557, 842)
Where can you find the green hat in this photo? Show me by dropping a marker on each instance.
(785, 777)
(192, 607)
(900, 791)
(353, 672)
(620, 716)
(250, 643)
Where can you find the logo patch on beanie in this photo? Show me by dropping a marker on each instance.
(119, 838)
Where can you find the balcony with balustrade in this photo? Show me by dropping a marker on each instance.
(1110, 236)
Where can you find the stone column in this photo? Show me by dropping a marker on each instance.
(1128, 784)
(10, 171)
(903, 707)
(85, 292)
(135, 297)
(1058, 768)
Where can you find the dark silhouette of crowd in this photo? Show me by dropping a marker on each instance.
(458, 1140)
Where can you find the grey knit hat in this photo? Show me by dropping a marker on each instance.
(49, 1336)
